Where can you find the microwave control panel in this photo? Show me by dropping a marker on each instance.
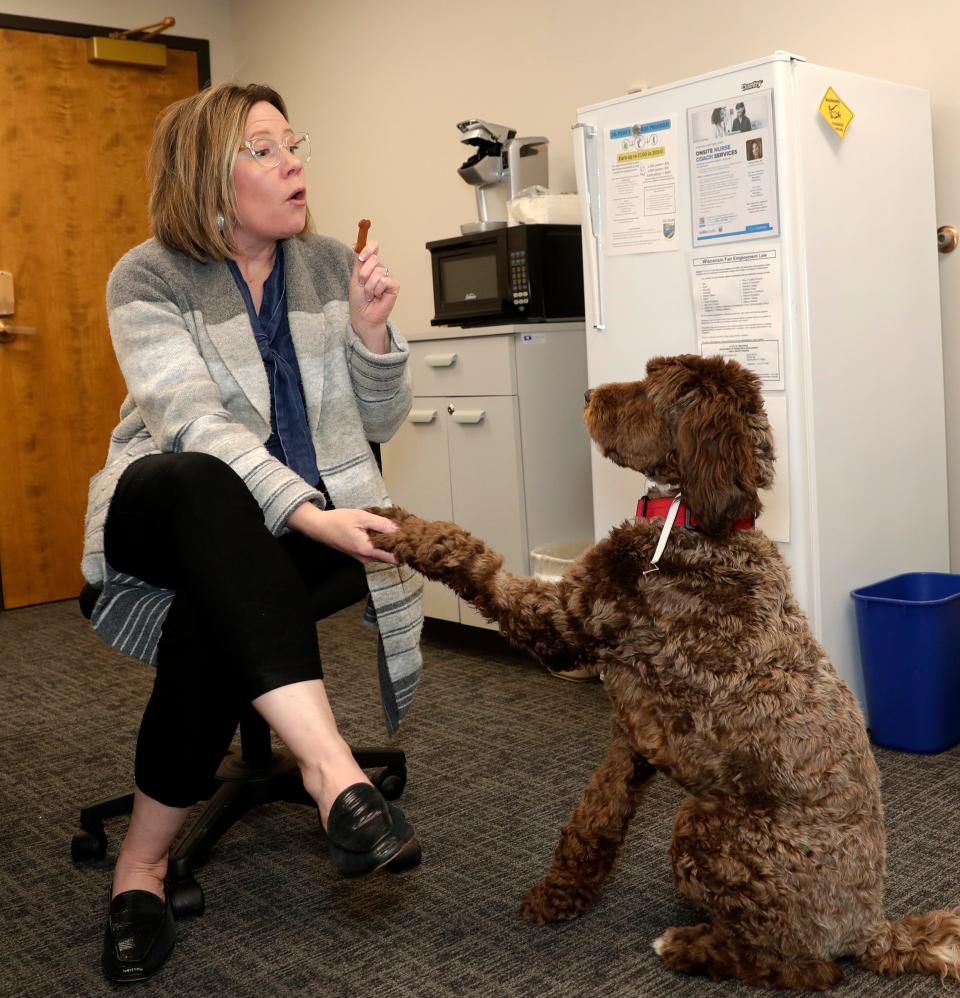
(519, 282)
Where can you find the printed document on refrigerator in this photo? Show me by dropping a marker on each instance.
(733, 169)
(641, 185)
(737, 299)
(774, 521)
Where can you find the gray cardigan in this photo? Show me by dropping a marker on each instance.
(196, 382)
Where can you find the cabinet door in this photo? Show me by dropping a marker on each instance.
(485, 478)
(416, 470)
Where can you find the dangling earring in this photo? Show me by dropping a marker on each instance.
(220, 221)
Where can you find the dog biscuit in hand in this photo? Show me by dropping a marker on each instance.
(363, 226)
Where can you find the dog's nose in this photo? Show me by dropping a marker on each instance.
(587, 394)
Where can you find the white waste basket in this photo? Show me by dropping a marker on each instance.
(549, 563)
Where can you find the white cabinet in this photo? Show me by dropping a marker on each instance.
(495, 442)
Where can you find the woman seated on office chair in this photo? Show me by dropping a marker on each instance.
(259, 363)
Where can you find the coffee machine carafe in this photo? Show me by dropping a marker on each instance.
(502, 166)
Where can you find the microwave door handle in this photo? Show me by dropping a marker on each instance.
(587, 159)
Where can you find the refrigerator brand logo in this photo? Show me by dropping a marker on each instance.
(752, 85)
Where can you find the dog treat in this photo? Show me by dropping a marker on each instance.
(362, 226)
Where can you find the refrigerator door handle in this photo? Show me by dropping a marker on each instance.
(594, 246)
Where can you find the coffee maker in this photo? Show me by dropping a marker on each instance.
(502, 166)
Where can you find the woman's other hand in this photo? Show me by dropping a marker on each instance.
(373, 293)
(343, 529)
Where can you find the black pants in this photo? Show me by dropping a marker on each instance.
(243, 618)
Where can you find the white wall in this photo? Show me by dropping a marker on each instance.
(380, 87)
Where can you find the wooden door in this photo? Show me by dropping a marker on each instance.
(73, 199)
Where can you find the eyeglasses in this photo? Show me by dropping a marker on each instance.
(266, 152)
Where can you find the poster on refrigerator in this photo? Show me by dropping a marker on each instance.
(641, 183)
(737, 300)
(733, 169)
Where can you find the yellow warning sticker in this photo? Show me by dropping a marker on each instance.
(836, 113)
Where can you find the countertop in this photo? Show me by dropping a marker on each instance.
(462, 332)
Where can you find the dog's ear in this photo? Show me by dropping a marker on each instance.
(724, 453)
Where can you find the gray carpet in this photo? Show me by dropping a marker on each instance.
(498, 752)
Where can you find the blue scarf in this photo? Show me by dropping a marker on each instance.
(289, 440)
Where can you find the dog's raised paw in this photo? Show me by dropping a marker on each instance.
(404, 540)
(395, 513)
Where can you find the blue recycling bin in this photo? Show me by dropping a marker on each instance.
(909, 630)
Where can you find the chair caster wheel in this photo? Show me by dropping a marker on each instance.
(88, 844)
(186, 898)
(390, 784)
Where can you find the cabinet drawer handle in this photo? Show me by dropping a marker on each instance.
(468, 415)
(440, 359)
(422, 415)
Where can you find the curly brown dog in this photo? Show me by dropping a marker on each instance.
(717, 682)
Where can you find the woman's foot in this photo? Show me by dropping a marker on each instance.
(142, 860)
(411, 854)
(140, 930)
(139, 936)
(331, 771)
(134, 875)
(364, 833)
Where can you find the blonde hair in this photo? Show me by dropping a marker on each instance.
(190, 168)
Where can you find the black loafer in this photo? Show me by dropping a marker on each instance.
(411, 854)
(140, 935)
(362, 833)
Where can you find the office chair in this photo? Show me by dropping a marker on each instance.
(246, 778)
(253, 775)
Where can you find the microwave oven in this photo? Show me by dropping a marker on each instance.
(519, 273)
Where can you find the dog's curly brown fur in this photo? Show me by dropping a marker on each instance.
(717, 682)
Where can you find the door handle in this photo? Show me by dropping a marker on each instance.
(9, 333)
(591, 179)
(440, 359)
(422, 415)
(467, 415)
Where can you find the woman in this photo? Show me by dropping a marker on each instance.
(260, 365)
(719, 118)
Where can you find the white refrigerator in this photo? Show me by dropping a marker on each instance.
(782, 213)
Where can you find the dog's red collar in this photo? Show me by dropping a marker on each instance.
(649, 509)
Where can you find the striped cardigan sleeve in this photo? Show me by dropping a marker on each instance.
(176, 397)
(381, 383)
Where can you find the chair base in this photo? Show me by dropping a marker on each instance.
(240, 785)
